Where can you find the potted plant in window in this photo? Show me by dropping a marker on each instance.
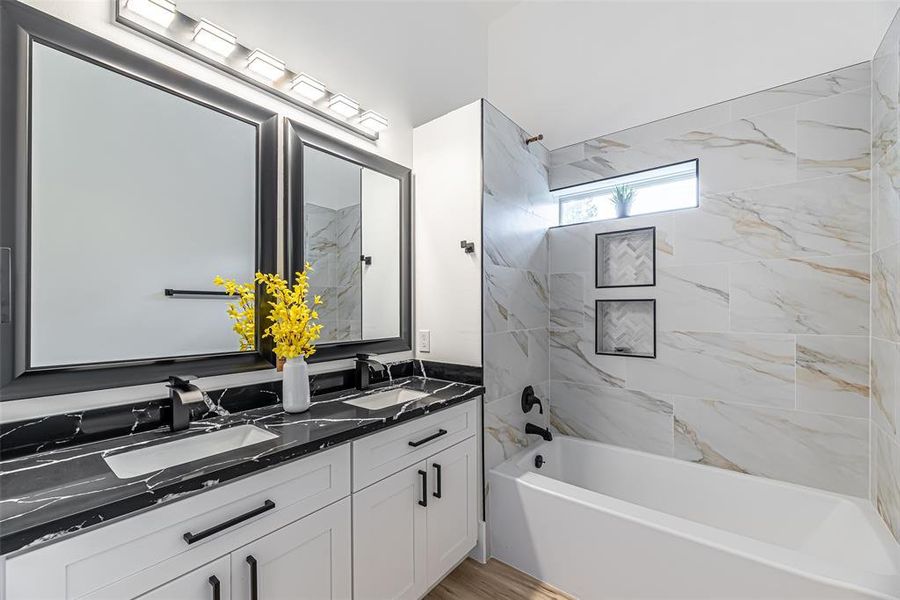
(293, 328)
(622, 198)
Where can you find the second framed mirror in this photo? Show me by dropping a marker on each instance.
(347, 214)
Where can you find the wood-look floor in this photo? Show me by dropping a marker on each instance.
(495, 581)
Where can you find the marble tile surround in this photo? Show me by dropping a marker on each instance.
(332, 249)
(762, 292)
(517, 211)
(885, 310)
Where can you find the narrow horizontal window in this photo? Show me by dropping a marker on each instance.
(661, 189)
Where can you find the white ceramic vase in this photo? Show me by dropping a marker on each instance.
(295, 392)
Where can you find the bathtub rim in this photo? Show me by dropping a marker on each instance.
(797, 562)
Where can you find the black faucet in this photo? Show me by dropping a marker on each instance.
(544, 433)
(364, 365)
(181, 394)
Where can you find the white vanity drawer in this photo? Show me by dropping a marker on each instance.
(75, 567)
(386, 452)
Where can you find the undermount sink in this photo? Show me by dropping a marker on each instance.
(386, 399)
(162, 456)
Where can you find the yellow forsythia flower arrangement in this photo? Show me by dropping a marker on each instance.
(243, 312)
(294, 329)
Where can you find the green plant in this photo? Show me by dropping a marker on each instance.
(622, 198)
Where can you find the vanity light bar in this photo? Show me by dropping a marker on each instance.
(344, 106)
(210, 44)
(307, 87)
(161, 12)
(265, 65)
(214, 38)
(373, 121)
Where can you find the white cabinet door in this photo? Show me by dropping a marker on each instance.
(452, 507)
(389, 537)
(209, 582)
(306, 560)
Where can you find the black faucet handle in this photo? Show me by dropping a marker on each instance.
(181, 382)
(529, 400)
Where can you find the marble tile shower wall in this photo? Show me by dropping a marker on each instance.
(517, 211)
(762, 292)
(885, 359)
(332, 249)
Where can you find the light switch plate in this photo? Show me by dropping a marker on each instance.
(423, 340)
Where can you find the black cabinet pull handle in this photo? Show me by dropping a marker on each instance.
(437, 472)
(216, 588)
(424, 500)
(254, 581)
(190, 538)
(429, 438)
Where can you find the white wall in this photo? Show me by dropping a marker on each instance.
(330, 181)
(575, 70)
(380, 205)
(447, 190)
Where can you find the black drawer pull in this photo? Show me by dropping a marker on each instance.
(216, 588)
(429, 438)
(437, 472)
(424, 500)
(190, 538)
(254, 578)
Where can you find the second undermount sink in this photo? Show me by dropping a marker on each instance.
(169, 454)
(386, 399)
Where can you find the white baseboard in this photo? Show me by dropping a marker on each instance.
(481, 552)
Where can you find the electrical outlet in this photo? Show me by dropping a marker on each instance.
(423, 340)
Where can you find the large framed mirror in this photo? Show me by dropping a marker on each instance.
(348, 217)
(126, 188)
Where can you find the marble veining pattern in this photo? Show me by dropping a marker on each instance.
(628, 418)
(833, 374)
(573, 358)
(57, 492)
(826, 295)
(820, 217)
(333, 249)
(885, 310)
(886, 293)
(749, 152)
(763, 291)
(806, 90)
(822, 451)
(833, 134)
(887, 480)
(885, 370)
(567, 300)
(517, 210)
(743, 368)
(886, 201)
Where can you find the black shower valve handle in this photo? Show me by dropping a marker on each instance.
(529, 400)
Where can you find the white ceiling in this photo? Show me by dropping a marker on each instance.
(411, 61)
(576, 70)
(570, 70)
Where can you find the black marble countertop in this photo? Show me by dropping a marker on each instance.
(51, 494)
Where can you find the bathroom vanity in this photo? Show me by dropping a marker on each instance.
(131, 187)
(344, 499)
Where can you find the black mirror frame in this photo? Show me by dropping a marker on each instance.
(20, 26)
(296, 136)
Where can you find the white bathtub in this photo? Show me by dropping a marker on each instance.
(598, 522)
